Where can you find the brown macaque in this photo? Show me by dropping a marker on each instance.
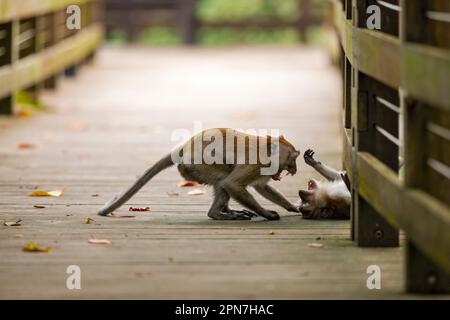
(328, 199)
(229, 161)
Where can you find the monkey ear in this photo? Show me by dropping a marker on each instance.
(295, 154)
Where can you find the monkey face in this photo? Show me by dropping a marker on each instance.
(289, 164)
(322, 202)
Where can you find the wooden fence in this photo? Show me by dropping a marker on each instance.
(132, 16)
(396, 107)
(36, 46)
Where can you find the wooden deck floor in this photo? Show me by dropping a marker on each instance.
(105, 127)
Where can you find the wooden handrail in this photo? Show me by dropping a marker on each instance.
(396, 88)
(36, 45)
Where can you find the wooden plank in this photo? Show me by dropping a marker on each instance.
(176, 243)
(426, 74)
(406, 209)
(48, 62)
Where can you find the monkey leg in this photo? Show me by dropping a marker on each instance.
(220, 211)
(241, 195)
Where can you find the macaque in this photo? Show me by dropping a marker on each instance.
(229, 161)
(328, 199)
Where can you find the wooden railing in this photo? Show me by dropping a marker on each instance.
(130, 16)
(36, 46)
(396, 124)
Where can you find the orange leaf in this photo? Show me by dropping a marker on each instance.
(188, 184)
(138, 209)
(33, 247)
(25, 145)
(43, 193)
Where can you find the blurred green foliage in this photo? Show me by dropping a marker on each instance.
(238, 10)
(229, 36)
(159, 36)
(232, 11)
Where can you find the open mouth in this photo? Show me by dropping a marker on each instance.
(278, 176)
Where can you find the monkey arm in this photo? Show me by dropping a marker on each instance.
(273, 195)
(327, 172)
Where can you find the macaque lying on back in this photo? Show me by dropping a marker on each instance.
(326, 199)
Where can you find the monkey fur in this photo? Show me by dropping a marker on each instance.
(329, 199)
(229, 180)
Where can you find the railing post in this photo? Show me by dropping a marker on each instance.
(188, 21)
(422, 274)
(371, 229)
(6, 58)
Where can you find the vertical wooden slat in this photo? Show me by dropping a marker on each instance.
(187, 21)
(422, 274)
(7, 102)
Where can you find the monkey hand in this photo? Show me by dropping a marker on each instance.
(293, 208)
(308, 156)
(271, 215)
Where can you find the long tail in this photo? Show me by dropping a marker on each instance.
(123, 197)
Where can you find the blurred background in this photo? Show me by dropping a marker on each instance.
(215, 22)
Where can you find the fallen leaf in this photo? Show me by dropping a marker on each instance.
(25, 145)
(173, 194)
(33, 247)
(94, 195)
(12, 223)
(188, 184)
(38, 206)
(315, 245)
(43, 193)
(113, 215)
(138, 209)
(271, 233)
(196, 192)
(88, 220)
(23, 113)
(77, 125)
(99, 241)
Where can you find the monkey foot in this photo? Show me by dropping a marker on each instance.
(233, 215)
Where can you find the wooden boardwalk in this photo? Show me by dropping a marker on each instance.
(108, 124)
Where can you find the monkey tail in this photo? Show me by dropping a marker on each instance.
(123, 197)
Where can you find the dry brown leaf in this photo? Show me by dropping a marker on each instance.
(113, 215)
(12, 223)
(315, 245)
(33, 247)
(38, 206)
(99, 241)
(196, 192)
(77, 125)
(25, 145)
(43, 193)
(188, 184)
(271, 233)
(23, 113)
(88, 220)
(139, 209)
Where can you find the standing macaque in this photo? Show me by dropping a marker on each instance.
(229, 161)
(328, 199)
